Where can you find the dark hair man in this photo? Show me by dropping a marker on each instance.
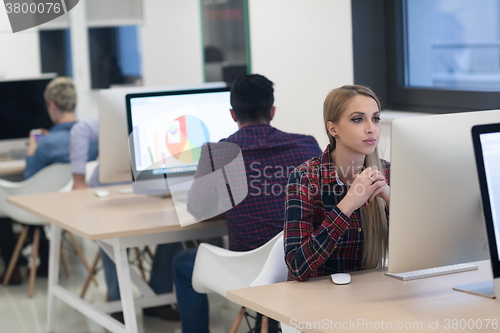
(269, 156)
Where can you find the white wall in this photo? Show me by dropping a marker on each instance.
(305, 48)
(20, 54)
(22, 59)
(87, 99)
(171, 42)
(171, 47)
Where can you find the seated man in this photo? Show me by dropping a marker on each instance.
(269, 155)
(83, 136)
(52, 147)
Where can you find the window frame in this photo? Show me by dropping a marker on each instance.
(395, 95)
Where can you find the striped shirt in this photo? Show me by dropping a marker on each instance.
(319, 239)
(269, 155)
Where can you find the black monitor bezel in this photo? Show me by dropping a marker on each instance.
(44, 120)
(488, 217)
(145, 175)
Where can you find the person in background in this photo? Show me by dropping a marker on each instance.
(269, 155)
(45, 148)
(336, 208)
(84, 136)
(53, 145)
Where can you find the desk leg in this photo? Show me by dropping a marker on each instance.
(55, 245)
(123, 273)
(143, 287)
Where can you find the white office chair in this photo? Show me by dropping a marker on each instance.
(51, 178)
(219, 270)
(275, 271)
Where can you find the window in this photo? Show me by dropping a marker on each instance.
(113, 51)
(114, 56)
(431, 55)
(55, 52)
(114, 48)
(225, 39)
(452, 44)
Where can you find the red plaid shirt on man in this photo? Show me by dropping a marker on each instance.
(270, 155)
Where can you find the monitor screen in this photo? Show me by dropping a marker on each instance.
(22, 107)
(435, 211)
(168, 129)
(491, 156)
(486, 140)
(114, 160)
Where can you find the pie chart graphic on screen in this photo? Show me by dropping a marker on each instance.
(185, 137)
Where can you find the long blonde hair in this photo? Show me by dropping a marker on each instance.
(373, 217)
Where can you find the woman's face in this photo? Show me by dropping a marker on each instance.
(358, 128)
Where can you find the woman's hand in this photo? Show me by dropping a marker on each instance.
(366, 186)
(382, 192)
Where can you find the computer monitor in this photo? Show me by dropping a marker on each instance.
(167, 131)
(114, 159)
(486, 141)
(435, 212)
(22, 108)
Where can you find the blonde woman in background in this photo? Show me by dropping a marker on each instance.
(336, 204)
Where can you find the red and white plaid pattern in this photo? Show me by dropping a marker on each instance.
(319, 239)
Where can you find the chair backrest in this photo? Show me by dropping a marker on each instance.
(50, 179)
(274, 269)
(219, 270)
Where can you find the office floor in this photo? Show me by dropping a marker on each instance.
(20, 314)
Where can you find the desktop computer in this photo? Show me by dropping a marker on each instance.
(167, 131)
(22, 108)
(486, 141)
(114, 159)
(435, 213)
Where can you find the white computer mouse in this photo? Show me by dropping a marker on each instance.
(341, 278)
(102, 193)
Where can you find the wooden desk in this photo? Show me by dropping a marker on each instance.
(373, 300)
(9, 167)
(116, 222)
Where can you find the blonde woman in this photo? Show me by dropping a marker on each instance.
(337, 204)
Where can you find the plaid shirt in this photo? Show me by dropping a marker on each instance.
(319, 239)
(270, 155)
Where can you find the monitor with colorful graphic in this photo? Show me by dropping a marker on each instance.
(168, 129)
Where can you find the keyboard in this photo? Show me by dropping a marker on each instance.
(13, 164)
(429, 272)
